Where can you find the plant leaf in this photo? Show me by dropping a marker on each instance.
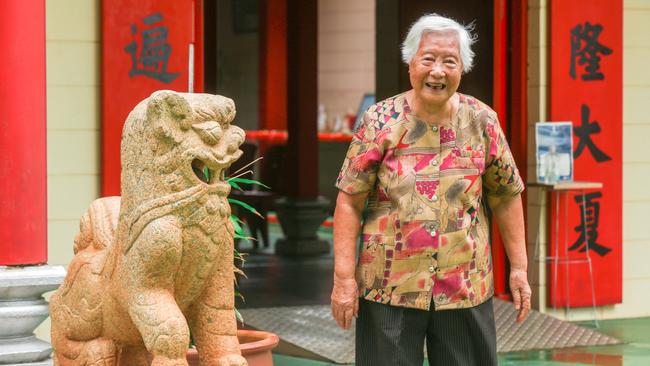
(235, 223)
(234, 185)
(245, 205)
(239, 256)
(241, 237)
(206, 172)
(248, 181)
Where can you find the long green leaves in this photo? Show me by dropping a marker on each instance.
(236, 223)
(245, 205)
(248, 181)
(235, 183)
(206, 172)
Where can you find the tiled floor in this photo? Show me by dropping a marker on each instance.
(635, 352)
(273, 280)
(280, 281)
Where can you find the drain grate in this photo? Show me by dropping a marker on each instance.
(312, 328)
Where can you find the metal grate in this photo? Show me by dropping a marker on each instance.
(309, 327)
(312, 328)
(541, 331)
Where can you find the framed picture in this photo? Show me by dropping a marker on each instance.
(554, 152)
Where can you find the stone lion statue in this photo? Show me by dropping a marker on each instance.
(157, 263)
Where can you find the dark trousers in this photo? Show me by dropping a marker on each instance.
(389, 335)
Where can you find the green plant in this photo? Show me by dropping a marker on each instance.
(235, 182)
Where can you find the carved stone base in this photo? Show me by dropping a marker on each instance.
(22, 309)
(300, 219)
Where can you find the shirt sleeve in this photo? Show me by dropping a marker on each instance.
(359, 171)
(501, 176)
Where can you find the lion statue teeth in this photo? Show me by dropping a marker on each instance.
(157, 262)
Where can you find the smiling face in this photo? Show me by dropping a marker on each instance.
(435, 69)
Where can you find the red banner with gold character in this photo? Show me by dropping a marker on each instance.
(586, 87)
(147, 45)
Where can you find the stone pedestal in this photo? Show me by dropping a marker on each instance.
(300, 218)
(22, 309)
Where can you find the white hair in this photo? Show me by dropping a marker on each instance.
(434, 23)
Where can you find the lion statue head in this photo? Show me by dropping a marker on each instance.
(175, 148)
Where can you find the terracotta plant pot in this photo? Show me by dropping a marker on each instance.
(256, 348)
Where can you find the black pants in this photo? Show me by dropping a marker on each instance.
(389, 335)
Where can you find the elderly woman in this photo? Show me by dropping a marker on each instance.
(423, 164)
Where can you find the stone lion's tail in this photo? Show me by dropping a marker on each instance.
(98, 225)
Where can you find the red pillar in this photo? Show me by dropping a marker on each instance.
(302, 211)
(510, 103)
(273, 65)
(23, 169)
(499, 97)
(302, 93)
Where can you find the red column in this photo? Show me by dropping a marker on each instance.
(499, 96)
(273, 65)
(23, 169)
(302, 93)
(302, 211)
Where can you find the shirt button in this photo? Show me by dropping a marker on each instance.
(433, 232)
(434, 162)
(435, 128)
(431, 269)
(434, 198)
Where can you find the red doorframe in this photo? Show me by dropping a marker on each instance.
(518, 97)
(510, 103)
(198, 38)
(273, 65)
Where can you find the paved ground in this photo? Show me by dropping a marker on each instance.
(273, 280)
(636, 351)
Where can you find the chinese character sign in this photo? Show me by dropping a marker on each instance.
(587, 230)
(146, 46)
(585, 50)
(154, 53)
(583, 134)
(586, 87)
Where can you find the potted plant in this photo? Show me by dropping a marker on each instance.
(256, 348)
(255, 345)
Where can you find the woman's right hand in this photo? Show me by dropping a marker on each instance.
(347, 223)
(345, 301)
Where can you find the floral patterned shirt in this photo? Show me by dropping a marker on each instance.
(425, 234)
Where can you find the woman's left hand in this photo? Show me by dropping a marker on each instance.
(521, 293)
